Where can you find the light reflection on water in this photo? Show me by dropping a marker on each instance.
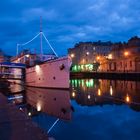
(92, 109)
(92, 92)
(53, 102)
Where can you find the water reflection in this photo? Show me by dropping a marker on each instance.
(11, 87)
(104, 109)
(53, 102)
(100, 92)
(16, 86)
(86, 92)
(18, 99)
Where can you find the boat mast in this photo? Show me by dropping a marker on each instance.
(41, 49)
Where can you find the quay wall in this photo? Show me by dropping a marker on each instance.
(107, 75)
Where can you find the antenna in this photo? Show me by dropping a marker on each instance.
(40, 23)
(41, 49)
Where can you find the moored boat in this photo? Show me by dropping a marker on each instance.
(49, 74)
(44, 70)
(13, 71)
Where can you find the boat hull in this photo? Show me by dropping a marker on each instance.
(50, 74)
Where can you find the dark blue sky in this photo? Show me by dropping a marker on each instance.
(66, 22)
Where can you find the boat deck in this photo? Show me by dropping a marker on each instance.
(15, 125)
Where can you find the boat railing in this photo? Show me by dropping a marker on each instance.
(11, 75)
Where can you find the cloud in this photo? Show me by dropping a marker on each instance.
(68, 22)
(35, 13)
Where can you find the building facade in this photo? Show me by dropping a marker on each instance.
(4, 57)
(85, 55)
(106, 56)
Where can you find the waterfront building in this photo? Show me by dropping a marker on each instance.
(4, 57)
(126, 58)
(110, 57)
(85, 55)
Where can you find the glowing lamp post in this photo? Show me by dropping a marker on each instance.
(98, 57)
(73, 94)
(89, 97)
(110, 56)
(87, 53)
(99, 92)
(72, 55)
(127, 99)
(126, 53)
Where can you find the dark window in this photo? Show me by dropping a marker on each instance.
(120, 64)
(130, 63)
(131, 86)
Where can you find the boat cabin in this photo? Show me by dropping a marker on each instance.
(10, 70)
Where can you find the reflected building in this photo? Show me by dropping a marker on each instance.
(50, 101)
(33, 101)
(107, 92)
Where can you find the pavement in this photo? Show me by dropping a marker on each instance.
(16, 125)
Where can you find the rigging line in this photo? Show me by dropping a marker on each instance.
(30, 40)
(49, 44)
(53, 126)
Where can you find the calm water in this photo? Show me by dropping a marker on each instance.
(91, 110)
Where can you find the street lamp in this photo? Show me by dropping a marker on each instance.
(72, 55)
(98, 57)
(87, 53)
(126, 53)
(110, 56)
(127, 98)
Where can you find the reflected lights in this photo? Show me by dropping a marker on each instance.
(127, 99)
(20, 109)
(111, 90)
(99, 92)
(89, 97)
(29, 114)
(15, 97)
(73, 94)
